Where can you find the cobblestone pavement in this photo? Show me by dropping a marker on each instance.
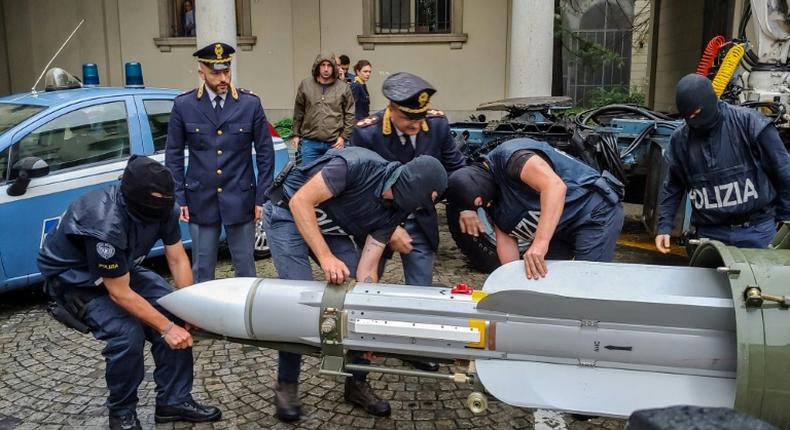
(52, 377)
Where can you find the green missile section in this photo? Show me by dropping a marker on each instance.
(760, 284)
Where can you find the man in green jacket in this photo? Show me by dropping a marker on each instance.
(323, 110)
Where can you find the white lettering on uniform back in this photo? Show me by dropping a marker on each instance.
(723, 196)
(328, 225)
(525, 229)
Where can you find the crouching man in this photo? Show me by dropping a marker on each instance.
(343, 207)
(543, 196)
(91, 264)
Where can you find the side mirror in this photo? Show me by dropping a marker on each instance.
(25, 170)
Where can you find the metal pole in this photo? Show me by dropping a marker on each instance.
(215, 21)
(454, 377)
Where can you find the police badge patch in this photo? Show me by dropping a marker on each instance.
(105, 250)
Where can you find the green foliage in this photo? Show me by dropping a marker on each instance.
(618, 95)
(594, 55)
(284, 127)
(591, 55)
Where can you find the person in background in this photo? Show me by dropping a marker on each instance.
(359, 89)
(323, 110)
(189, 19)
(343, 64)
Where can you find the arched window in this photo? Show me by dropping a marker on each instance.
(599, 57)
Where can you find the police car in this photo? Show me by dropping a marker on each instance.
(84, 133)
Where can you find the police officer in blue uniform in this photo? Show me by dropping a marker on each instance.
(220, 125)
(343, 207)
(734, 166)
(405, 129)
(538, 194)
(91, 265)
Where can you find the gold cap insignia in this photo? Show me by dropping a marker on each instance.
(218, 51)
(423, 98)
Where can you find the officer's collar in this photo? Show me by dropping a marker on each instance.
(411, 139)
(387, 125)
(204, 88)
(212, 95)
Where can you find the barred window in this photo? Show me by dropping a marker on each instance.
(182, 18)
(413, 16)
(178, 24)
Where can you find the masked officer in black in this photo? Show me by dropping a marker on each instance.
(91, 265)
(538, 194)
(343, 207)
(734, 165)
(406, 129)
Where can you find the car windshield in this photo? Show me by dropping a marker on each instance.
(12, 114)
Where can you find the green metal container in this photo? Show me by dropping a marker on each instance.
(760, 286)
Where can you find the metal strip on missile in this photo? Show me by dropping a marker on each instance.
(249, 306)
(417, 330)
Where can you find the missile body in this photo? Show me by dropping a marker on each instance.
(595, 338)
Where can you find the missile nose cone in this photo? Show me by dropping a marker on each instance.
(217, 306)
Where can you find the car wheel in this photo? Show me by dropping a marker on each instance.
(261, 244)
(480, 250)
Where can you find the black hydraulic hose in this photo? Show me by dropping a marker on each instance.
(647, 131)
(584, 117)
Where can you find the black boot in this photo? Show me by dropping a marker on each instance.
(125, 422)
(359, 393)
(190, 410)
(286, 398)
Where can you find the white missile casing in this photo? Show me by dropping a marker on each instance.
(595, 338)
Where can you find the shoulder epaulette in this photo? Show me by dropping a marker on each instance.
(368, 121)
(434, 112)
(246, 91)
(187, 92)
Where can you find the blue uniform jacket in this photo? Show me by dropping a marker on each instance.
(358, 210)
(100, 214)
(517, 210)
(738, 173)
(434, 139)
(219, 185)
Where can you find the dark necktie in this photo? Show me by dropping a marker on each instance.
(217, 105)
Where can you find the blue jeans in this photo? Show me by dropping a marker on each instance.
(418, 264)
(291, 257)
(593, 238)
(205, 243)
(313, 149)
(746, 235)
(125, 337)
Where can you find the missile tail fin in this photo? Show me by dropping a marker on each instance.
(598, 391)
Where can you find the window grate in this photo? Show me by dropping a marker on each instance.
(413, 16)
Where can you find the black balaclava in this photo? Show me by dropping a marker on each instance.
(417, 180)
(142, 177)
(468, 183)
(693, 92)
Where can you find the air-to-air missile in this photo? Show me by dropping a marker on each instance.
(591, 338)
